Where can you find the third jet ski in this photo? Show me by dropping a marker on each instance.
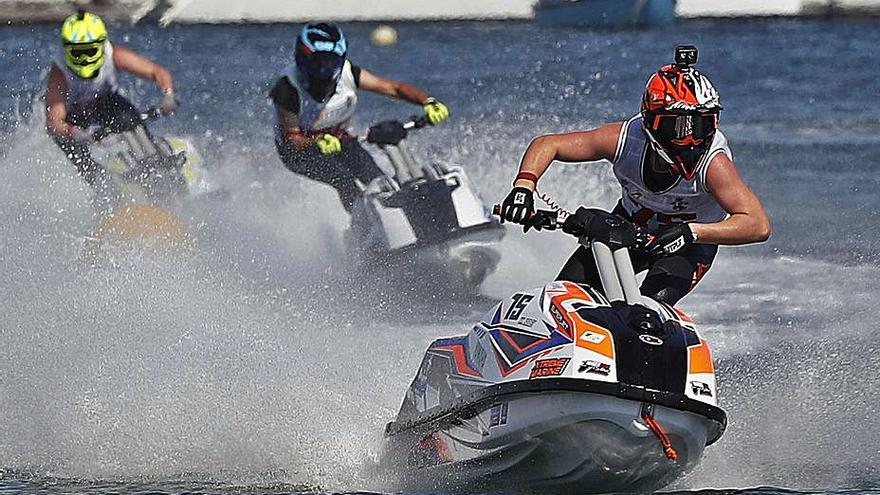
(561, 389)
(426, 213)
(144, 167)
(145, 175)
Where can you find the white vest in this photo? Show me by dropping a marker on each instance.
(87, 91)
(334, 113)
(685, 200)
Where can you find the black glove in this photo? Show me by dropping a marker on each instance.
(541, 219)
(518, 206)
(606, 228)
(670, 240)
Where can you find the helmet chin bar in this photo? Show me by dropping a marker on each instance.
(675, 165)
(320, 89)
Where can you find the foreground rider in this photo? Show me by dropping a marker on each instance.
(82, 99)
(314, 101)
(679, 183)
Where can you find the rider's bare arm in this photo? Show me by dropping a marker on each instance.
(747, 221)
(56, 110)
(129, 61)
(583, 146)
(394, 89)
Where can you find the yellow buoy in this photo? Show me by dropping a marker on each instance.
(384, 35)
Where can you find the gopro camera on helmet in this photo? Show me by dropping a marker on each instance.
(685, 55)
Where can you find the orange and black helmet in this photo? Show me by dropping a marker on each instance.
(680, 114)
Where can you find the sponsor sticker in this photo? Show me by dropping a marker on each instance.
(548, 367)
(498, 415)
(590, 366)
(592, 337)
(700, 388)
(557, 315)
(650, 339)
(526, 321)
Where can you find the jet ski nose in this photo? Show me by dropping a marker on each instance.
(645, 321)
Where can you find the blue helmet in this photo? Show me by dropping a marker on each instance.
(320, 55)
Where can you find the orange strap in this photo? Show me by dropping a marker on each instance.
(661, 435)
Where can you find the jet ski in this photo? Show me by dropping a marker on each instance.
(561, 389)
(145, 176)
(145, 168)
(426, 214)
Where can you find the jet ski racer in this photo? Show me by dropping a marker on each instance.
(83, 102)
(314, 100)
(679, 183)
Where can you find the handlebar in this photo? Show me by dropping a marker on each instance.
(152, 114)
(540, 219)
(392, 132)
(609, 238)
(416, 122)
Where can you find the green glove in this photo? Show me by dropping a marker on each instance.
(435, 111)
(328, 144)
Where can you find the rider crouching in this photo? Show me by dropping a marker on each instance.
(314, 101)
(679, 184)
(83, 103)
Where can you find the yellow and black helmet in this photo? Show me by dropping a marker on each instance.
(83, 35)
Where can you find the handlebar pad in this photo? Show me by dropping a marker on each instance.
(389, 132)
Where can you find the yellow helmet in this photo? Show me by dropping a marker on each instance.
(83, 35)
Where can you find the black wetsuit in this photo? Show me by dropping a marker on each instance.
(339, 170)
(114, 114)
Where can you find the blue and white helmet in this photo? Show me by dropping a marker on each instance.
(320, 55)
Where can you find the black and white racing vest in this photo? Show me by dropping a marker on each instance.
(85, 92)
(333, 114)
(684, 201)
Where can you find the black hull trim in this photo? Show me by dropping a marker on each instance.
(470, 406)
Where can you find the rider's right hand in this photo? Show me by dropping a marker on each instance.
(169, 103)
(518, 206)
(329, 144)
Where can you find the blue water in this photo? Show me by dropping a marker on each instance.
(252, 366)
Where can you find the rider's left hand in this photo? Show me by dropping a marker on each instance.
(329, 144)
(671, 239)
(435, 110)
(169, 103)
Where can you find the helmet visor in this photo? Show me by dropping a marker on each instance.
(684, 138)
(321, 65)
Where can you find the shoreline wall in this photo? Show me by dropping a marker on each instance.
(231, 11)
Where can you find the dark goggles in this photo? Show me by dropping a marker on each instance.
(682, 129)
(683, 139)
(84, 53)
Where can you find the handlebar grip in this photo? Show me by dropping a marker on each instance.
(496, 210)
(416, 122)
(151, 114)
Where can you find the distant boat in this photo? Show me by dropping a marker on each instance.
(605, 13)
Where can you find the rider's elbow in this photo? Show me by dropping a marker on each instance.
(763, 230)
(54, 130)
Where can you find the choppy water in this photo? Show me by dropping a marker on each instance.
(252, 365)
